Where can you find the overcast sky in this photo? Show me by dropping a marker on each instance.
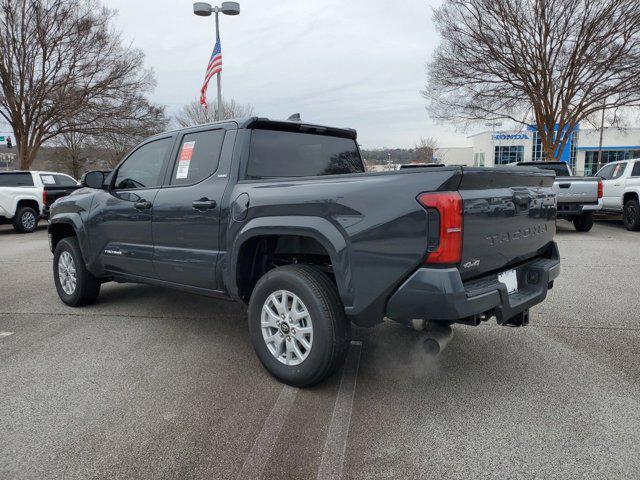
(353, 63)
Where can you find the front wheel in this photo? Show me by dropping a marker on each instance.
(26, 220)
(297, 325)
(584, 222)
(631, 215)
(76, 286)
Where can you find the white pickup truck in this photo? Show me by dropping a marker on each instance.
(621, 191)
(22, 196)
(578, 198)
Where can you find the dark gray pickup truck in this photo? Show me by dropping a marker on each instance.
(283, 217)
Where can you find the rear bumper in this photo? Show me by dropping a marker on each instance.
(441, 295)
(570, 210)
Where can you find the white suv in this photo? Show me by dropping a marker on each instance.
(621, 191)
(22, 200)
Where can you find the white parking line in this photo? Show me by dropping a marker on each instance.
(335, 446)
(5, 334)
(266, 441)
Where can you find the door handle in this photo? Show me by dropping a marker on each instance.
(204, 204)
(143, 205)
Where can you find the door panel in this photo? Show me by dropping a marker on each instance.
(120, 218)
(186, 213)
(121, 233)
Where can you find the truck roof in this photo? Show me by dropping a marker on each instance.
(283, 125)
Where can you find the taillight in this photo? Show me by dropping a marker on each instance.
(599, 188)
(449, 208)
(44, 197)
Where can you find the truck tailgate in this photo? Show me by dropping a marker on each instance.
(583, 190)
(508, 217)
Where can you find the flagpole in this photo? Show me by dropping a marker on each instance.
(204, 9)
(219, 110)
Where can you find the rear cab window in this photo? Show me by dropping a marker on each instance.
(21, 179)
(281, 154)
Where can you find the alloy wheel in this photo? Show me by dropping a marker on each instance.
(28, 220)
(67, 273)
(286, 327)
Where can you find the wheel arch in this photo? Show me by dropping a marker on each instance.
(31, 202)
(630, 195)
(307, 234)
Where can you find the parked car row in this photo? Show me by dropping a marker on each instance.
(25, 196)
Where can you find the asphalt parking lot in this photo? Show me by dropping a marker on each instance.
(151, 383)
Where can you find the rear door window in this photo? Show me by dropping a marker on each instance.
(16, 179)
(618, 170)
(198, 157)
(277, 154)
(636, 169)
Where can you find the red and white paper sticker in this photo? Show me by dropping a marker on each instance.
(185, 159)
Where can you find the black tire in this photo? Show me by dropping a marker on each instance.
(631, 215)
(584, 222)
(331, 328)
(25, 220)
(87, 286)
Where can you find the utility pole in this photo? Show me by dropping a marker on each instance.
(600, 144)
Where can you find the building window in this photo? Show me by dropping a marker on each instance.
(505, 154)
(478, 159)
(536, 154)
(591, 158)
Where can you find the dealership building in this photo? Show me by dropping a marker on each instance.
(492, 148)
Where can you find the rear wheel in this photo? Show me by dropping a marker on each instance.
(297, 325)
(584, 222)
(76, 286)
(631, 215)
(26, 220)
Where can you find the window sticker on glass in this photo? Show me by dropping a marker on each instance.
(185, 159)
(47, 179)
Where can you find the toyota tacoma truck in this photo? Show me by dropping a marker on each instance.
(283, 217)
(577, 198)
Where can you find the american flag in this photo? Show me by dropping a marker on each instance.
(215, 66)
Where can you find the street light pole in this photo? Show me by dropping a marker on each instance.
(203, 9)
(219, 110)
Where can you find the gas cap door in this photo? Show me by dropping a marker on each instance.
(240, 207)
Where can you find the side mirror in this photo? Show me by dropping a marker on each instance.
(94, 179)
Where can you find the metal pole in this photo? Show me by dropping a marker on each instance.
(219, 111)
(600, 145)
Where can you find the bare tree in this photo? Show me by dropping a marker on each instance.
(62, 70)
(425, 149)
(195, 114)
(554, 63)
(113, 137)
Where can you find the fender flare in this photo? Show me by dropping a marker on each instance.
(18, 198)
(320, 229)
(75, 222)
